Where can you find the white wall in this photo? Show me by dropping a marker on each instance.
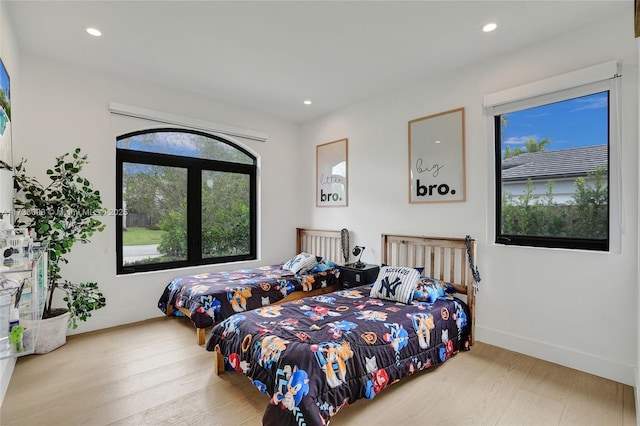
(574, 308)
(571, 307)
(63, 108)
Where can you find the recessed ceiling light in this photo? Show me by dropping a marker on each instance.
(94, 32)
(489, 27)
(307, 102)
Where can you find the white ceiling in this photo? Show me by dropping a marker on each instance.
(270, 56)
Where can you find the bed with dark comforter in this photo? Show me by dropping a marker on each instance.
(209, 297)
(316, 355)
(212, 296)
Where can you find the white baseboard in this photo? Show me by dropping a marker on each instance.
(6, 368)
(568, 357)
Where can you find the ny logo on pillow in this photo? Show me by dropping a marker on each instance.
(390, 288)
(396, 284)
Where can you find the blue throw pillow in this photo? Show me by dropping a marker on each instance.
(324, 265)
(428, 289)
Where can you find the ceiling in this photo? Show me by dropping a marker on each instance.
(270, 56)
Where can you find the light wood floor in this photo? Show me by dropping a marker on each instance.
(153, 373)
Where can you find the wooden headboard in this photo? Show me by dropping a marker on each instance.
(442, 258)
(321, 243)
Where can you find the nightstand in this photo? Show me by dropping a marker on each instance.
(350, 276)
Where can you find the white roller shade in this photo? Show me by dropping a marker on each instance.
(553, 85)
(190, 123)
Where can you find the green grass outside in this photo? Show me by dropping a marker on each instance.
(134, 236)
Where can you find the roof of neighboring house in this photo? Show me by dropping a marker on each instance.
(572, 162)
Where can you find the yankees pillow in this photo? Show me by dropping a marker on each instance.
(396, 284)
(300, 263)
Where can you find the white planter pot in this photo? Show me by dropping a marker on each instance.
(52, 334)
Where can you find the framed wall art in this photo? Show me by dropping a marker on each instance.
(6, 153)
(331, 174)
(636, 18)
(437, 158)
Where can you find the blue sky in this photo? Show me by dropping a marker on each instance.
(576, 122)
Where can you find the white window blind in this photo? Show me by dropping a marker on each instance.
(536, 91)
(164, 118)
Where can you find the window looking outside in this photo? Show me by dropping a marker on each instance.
(189, 198)
(552, 174)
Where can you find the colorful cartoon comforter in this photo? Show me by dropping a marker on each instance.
(213, 296)
(316, 355)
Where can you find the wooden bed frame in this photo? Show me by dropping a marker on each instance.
(442, 258)
(318, 242)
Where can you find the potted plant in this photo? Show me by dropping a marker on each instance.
(61, 214)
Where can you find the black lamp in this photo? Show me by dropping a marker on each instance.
(357, 251)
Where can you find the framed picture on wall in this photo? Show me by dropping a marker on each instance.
(436, 158)
(636, 18)
(331, 174)
(6, 153)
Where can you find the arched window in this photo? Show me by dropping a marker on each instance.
(186, 197)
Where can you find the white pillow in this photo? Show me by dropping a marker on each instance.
(396, 284)
(300, 263)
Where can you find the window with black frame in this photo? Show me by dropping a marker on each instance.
(552, 157)
(188, 198)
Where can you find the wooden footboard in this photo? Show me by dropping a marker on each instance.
(218, 363)
(200, 332)
(300, 294)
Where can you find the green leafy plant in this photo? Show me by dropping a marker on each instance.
(586, 216)
(62, 214)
